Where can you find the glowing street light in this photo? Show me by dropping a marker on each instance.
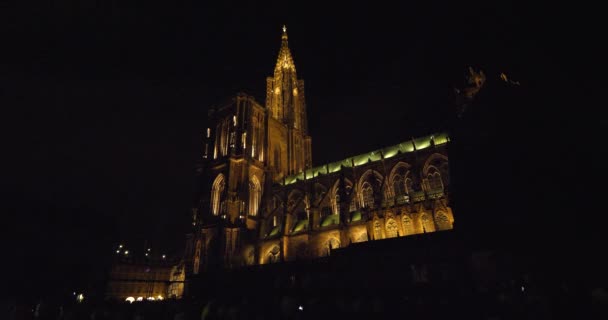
(164, 256)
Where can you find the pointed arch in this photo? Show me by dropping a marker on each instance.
(255, 195)
(408, 225)
(335, 196)
(398, 182)
(399, 171)
(371, 176)
(367, 195)
(443, 221)
(392, 230)
(369, 184)
(217, 189)
(427, 222)
(436, 159)
(377, 229)
(434, 180)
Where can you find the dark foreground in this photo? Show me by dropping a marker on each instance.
(426, 277)
(505, 302)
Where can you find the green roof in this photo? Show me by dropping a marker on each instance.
(274, 231)
(330, 220)
(388, 152)
(301, 225)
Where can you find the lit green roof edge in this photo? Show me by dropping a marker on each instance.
(388, 152)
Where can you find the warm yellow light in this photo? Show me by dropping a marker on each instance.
(130, 299)
(120, 246)
(117, 251)
(126, 252)
(160, 297)
(80, 297)
(284, 29)
(150, 299)
(140, 298)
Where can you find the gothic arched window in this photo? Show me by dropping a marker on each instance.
(255, 194)
(435, 182)
(336, 203)
(398, 185)
(409, 185)
(216, 193)
(368, 195)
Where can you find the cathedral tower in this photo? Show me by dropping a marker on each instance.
(246, 148)
(289, 143)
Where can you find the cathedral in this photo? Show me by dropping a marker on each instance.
(261, 200)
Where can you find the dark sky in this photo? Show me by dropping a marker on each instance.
(104, 102)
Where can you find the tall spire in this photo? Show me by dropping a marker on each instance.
(285, 103)
(285, 60)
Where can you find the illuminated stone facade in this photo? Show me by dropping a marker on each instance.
(260, 201)
(145, 280)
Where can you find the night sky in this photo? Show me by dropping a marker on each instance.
(104, 102)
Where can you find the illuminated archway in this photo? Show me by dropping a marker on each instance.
(335, 196)
(367, 194)
(371, 181)
(216, 193)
